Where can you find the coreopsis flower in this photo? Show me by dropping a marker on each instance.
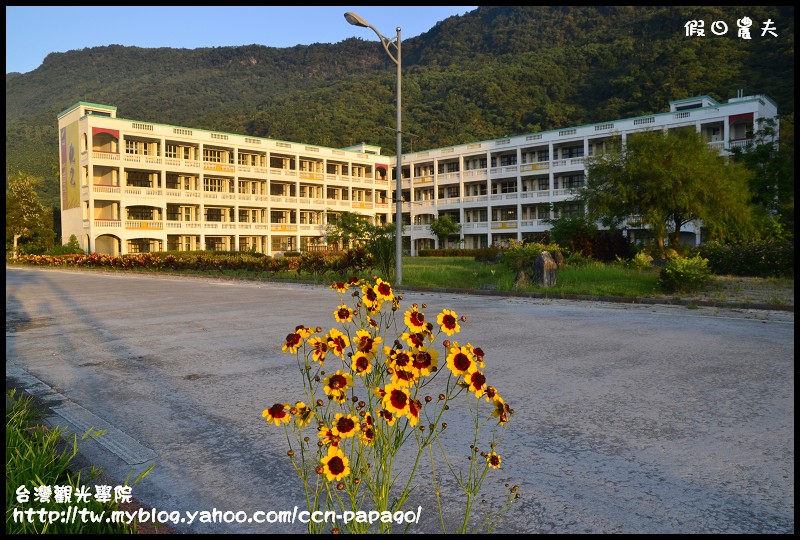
(396, 399)
(336, 385)
(424, 360)
(397, 359)
(415, 340)
(384, 290)
(477, 383)
(345, 425)
(343, 314)
(326, 436)
(320, 348)
(340, 287)
(404, 378)
(367, 433)
(500, 410)
(335, 465)
(448, 321)
(337, 342)
(370, 298)
(414, 408)
(303, 331)
(460, 361)
(367, 343)
(361, 364)
(414, 319)
(293, 341)
(493, 458)
(387, 416)
(304, 414)
(478, 353)
(277, 414)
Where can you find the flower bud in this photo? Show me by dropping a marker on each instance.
(320, 403)
(290, 453)
(428, 399)
(463, 318)
(340, 486)
(320, 469)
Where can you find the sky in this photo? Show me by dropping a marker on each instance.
(33, 32)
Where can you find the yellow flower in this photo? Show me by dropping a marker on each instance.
(345, 426)
(320, 346)
(370, 298)
(293, 341)
(336, 385)
(384, 290)
(304, 414)
(478, 353)
(415, 319)
(367, 433)
(414, 407)
(335, 464)
(340, 287)
(361, 364)
(460, 361)
(343, 314)
(337, 342)
(366, 343)
(414, 339)
(493, 459)
(277, 414)
(448, 321)
(396, 399)
(501, 409)
(477, 383)
(423, 361)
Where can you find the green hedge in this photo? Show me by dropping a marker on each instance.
(756, 259)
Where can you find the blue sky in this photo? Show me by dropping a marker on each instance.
(33, 32)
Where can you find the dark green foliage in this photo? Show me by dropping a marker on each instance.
(495, 71)
(449, 252)
(684, 274)
(71, 247)
(758, 259)
(491, 254)
(521, 256)
(575, 232)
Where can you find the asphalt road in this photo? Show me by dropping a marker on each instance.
(628, 418)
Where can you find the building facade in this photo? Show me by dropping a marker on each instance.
(129, 186)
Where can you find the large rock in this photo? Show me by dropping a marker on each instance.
(545, 270)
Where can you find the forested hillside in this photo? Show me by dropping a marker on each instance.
(492, 72)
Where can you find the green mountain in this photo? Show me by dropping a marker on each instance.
(495, 71)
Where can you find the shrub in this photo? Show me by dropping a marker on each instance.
(684, 274)
(491, 254)
(641, 261)
(521, 256)
(770, 258)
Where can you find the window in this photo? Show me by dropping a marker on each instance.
(212, 156)
(212, 184)
(573, 182)
(171, 151)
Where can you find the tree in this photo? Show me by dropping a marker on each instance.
(772, 185)
(444, 227)
(26, 218)
(666, 180)
(347, 228)
(378, 240)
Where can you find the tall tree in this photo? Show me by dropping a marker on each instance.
(27, 221)
(668, 179)
(772, 185)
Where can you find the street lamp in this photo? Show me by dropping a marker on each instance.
(355, 20)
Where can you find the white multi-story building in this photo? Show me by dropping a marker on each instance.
(130, 186)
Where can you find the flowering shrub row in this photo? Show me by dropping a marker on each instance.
(314, 263)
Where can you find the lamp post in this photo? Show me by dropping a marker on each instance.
(355, 20)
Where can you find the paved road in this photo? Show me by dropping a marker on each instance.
(629, 418)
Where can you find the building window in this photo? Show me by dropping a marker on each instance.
(212, 184)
